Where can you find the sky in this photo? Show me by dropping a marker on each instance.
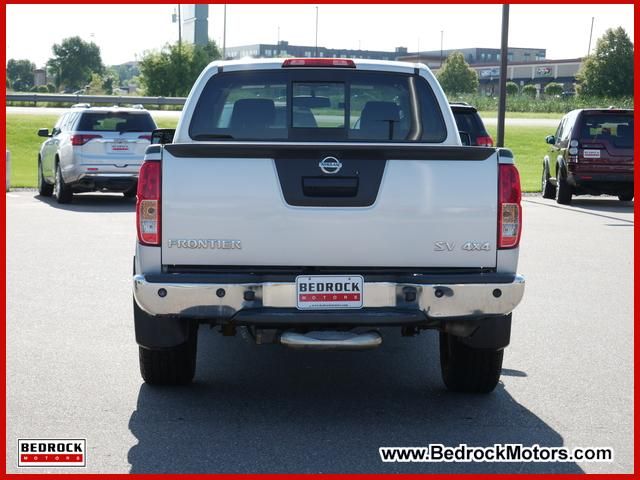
(125, 32)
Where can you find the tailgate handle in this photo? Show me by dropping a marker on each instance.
(330, 187)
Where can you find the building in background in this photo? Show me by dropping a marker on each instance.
(525, 65)
(195, 24)
(284, 49)
(39, 77)
(538, 74)
(475, 56)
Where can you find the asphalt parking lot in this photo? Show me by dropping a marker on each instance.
(72, 367)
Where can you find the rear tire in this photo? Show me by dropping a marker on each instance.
(172, 365)
(563, 190)
(625, 197)
(44, 189)
(548, 189)
(61, 191)
(466, 369)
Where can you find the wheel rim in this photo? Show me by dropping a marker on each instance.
(39, 175)
(544, 180)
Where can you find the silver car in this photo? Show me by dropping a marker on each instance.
(93, 149)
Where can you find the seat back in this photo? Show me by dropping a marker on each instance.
(376, 118)
(252, 114)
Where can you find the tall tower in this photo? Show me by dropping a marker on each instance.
(195, 23)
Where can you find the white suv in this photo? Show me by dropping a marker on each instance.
(93, 149)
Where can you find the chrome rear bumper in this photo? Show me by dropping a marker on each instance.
(227, 300)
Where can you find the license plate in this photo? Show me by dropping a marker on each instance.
(119, 147)
(320, 292)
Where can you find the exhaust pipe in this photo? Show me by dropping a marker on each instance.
(331, 340)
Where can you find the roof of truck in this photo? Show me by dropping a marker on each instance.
(273, 63)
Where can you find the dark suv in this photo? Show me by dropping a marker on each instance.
(468, 121)
(591, 154)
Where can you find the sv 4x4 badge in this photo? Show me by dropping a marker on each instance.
(442, 246)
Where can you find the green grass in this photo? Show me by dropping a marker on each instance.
(544, 104)
(527, 144)
(544, 115)
(166, 122)
(24, 143)
(529, 148)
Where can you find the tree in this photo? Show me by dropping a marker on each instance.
(609, 70)
(529, 91)
(553, 88)
(108, 82)
(203, 55)
(511, 88)
(173, 70)
(456, 76)
(20, 74)
(74, 62)
(39, 89)
(94, 86)
(126, 72)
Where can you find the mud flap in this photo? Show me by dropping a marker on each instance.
(493, 333)
(160, 332)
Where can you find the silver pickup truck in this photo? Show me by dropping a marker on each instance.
(312, 202)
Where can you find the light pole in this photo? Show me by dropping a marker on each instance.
(224, 33)
(179, 30)
(173, 19)
(316, 53)
(178, 18)
(590, 35)
(441, 45)
(504, 50)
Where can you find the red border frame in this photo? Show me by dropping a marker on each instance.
(3, 338)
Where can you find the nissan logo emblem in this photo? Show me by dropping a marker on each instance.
(330, 165)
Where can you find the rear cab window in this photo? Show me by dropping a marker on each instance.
(317, 105)
(115, 122)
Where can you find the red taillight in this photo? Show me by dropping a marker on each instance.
(484, 141)
(319, 62)
(145, 137)
(78, 139)
(509, 208)
(148, 215)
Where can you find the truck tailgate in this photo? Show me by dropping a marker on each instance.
(272, 205)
